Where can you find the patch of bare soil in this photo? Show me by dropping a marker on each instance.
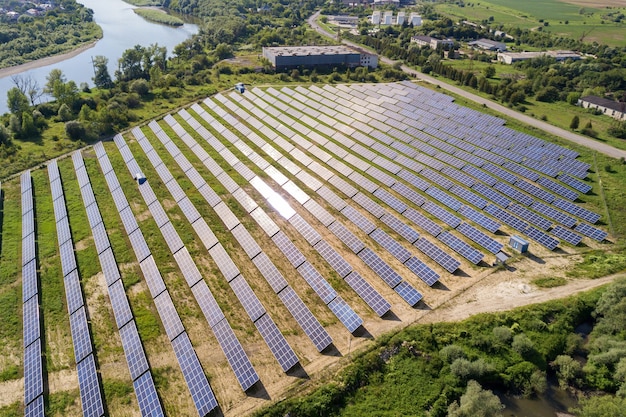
(597, 4)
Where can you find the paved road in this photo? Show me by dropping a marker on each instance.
(557, 131)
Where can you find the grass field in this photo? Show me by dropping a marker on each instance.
(63, 397)
(588, 21)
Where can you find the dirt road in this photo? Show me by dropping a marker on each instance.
(557, 131)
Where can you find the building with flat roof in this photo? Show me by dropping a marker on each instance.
(559, 56)
(434, 43)
(488, 45)
(615, 109)
(285, 57)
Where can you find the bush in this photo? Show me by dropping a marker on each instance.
(451, 353)
(548, 94)
(140, 86)
(574, 123)
(75, 130)
(522, 345)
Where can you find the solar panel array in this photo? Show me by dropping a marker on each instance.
(197, 383)
(143, 384)
(33, 366)
(88, 383)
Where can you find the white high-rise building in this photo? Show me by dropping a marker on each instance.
(415, 19)
(376, 17)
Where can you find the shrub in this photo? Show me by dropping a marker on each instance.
(522, 344)
(75, 130)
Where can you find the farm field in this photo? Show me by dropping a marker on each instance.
(286, 226)
(578, 20)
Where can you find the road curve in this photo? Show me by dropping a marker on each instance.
(547, 127)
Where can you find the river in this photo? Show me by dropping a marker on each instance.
(122, 29)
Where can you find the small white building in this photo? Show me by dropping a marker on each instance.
(415, 19)
(387, 18)
(401, 18)
(615, 109)
(376, 17)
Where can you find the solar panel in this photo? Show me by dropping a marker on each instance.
(408, 293)
(188, 209)
(119, 303)
(109, 266)
(506, 218)
(317, 282)
(305, 229)
(319, 212)
(347, 237)
(368, 204)
(35, 408)
(380, 267)
(444, 198)
(391, 245)
(291, 252)
(198, 385)
(471, 254)
(346, 315)
(223, 261)
(63, 231)
(32, 329)
(479, 174)
(276, 342)
(133, 349)
(524, 172)
(492, 195)
(29, 280)
(343, 186)
(414, 180)
(513, 193)
(226, 215)
(558, 188)
(247, 298)
(535, 191)
(566, 235)
(153, 277)
(423, 271)
(209, 195)
(389, 199)
(423, 222)
(68, 261)
(551, 213)
(73, 292)
(147, 397)
(331, 198)
(358, 219)
(530, 216)
(139, 245)
(28, 224)
(33, 377)
(237, 357)
(28, 248)
(307, 321)
(577, 211)
(27, 201)
(442, 214)
(479, 237)
(245, 200)
(409, 194)
(400, 228)
(591, 232)
(541, 237)
(575, 183)
(334, 259)
(436, 254)
(246, 241)
(468, 196)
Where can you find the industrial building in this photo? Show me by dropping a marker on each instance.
(434, 43)
(615, 109)
(488, 45)
(285, 57)
(559, 56)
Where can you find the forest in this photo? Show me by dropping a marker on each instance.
(577, 344)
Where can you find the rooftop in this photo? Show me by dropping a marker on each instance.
(311, 50)
(605, 102)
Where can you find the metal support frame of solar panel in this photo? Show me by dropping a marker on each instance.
(352, 212)
(197, 383)
(90, 394)
(245, 373)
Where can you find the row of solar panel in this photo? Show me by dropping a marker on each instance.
(197, 383)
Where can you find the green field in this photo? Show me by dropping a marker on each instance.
(564, 19)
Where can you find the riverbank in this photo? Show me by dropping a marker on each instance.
(49, 60)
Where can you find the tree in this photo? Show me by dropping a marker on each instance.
(476, 402)
(102, 78)
(522, 344)
(568, 369)
(140, 86)
(28, 125)
(602, 406)
(17, 102)
(64, 92)
(489, 71)
(223, 51)
(548, 94)
(575, 122)
(65, 114)
(29, 86)
(5, 136)
(74, 130)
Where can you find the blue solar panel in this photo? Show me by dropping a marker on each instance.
(198, 385)
(481, 175)
(442, 214)
(305, 229)
(28, 249)
(317, 282)
(33, 377)
(591, 232)
(334, 259)
(147, 397)
(437, 178)
(468, 196)
(168, 314)
(400, 228)
(575, 183)
(408, 293)
(345, 314)
(558, 188)
(541, 237)
(109, 266)
(319, 212)
(554, 214)
(491, 195)
(358, 219)
(436, 254)
(29, 280)
(524, 172)
(471, 254)
(138, 243)
(530, 216)
(535, 191)
(89, 387)
(133, 350)
(423, 271)
(504, 174)
(35, 408)
(408, 193)
(479, 237)
(506, 218)
(286, 246)
(331, 198)
(423, 222)
(391, 245)
(380, 267)
(577, 211)
(393, 202)
(566, 235)
(370, 205)
(413, 179)
(224, 262)
(368, 293)
(32, 329)
(276, 342)
(347, 237)
(458, 175)
(153, 277)
(73, 292)
(80, 334)
(444, 198)
(513, 193)
(236, 356)
(247, 298)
